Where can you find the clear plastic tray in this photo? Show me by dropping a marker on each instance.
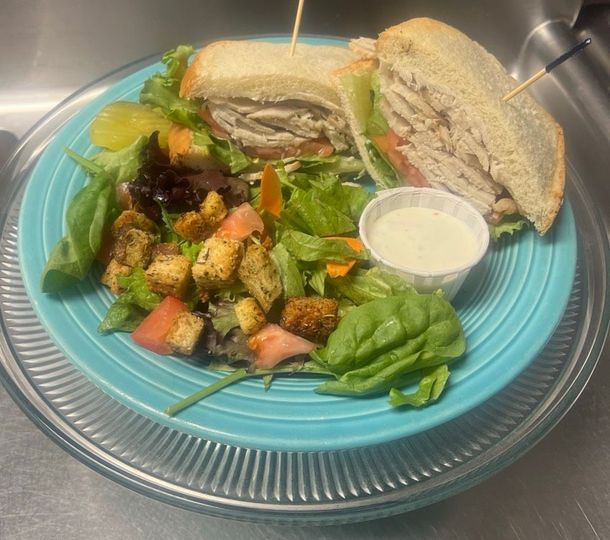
(290, 487)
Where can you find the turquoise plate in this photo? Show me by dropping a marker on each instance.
(509, 307)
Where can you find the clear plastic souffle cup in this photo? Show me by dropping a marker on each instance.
(449, 280)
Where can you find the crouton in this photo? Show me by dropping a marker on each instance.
(250, 316)
(112, 272)
(134, 248)
(260, 276)
(192, 226)
(311, 318)
(213, 210)
(184, 150)
(217, 263)
(169, 275)
(130, 219)
(165, 248)
(184, 333)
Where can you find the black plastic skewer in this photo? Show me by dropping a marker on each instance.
(546, 69)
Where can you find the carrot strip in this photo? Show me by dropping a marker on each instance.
(271, 192)
(335, 269)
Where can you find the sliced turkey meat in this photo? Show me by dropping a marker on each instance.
(441, 141)
(285, 128)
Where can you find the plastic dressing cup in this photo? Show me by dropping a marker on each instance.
(449, 279)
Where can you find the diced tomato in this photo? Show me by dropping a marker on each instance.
(271, 192)
(241, 223)
(273, 344)
(336, 269)
(388, 144)
(154, 328)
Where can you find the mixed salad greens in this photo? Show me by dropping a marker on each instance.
(254, 267)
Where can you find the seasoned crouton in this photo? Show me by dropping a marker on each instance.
(112, 272)
(250, 316)
(134, 248)
(169, 275)
(213, 210)
(184, 333)
(192, 226)
(217, 263)
(260, 276)
(311, 318)
(130, 219)
(184, 150)
(165, 248)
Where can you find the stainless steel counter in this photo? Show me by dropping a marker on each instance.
(48, 49)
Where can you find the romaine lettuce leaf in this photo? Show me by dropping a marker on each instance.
(507, 226)
(336, 164)
(376, 123)
(389, 178)
(304, 247)
(358, 89)
(292, 281)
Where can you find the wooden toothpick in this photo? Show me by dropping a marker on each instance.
(546, 69)
(297, 25)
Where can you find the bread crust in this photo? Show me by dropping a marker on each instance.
(557, 188)
(192, 75)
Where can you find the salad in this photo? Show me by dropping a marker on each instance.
(254, 267)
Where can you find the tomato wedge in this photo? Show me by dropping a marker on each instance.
(388, 144)
(154, 328)
(241, 223)
(273, 344)
(271, 192)
(336, 269)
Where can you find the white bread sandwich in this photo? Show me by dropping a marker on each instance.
(269, 104)
(426, 109)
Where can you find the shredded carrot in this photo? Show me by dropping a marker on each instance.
(271, 192)
(335, 269)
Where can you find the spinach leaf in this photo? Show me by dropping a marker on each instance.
(304, 247)
(320, 218)
(388, 336)
(292, 281)
(362, 286)
(89, 213)
(122, 317)
(430, 388)
(123, 164)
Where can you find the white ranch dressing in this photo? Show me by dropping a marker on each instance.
(423, 239)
